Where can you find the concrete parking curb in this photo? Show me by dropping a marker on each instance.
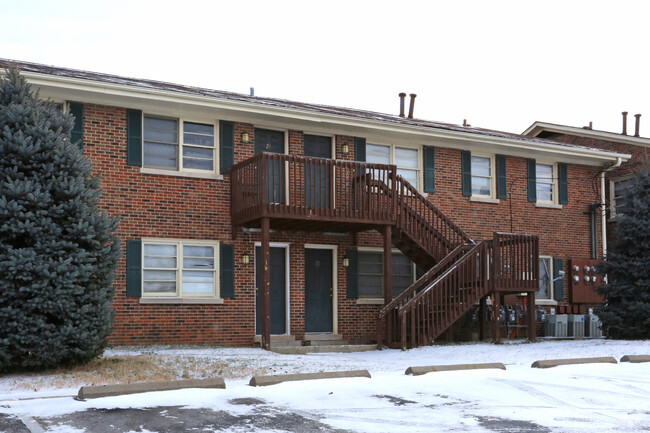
(417, 371)
(279, 378)
(134, 388)
(548, 363)
(636, 358)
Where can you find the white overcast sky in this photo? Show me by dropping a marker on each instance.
(499, 64)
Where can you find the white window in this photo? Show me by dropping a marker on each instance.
(620, 194)
(174, 144)
(179, 269)
(482, 176)
(545, 182)
(371, 273)
(405, 158)
(545, 278)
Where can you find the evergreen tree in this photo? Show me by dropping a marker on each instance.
(58, 251)
(627, 292)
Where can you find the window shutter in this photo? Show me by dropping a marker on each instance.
(558, 286)
(227, 145)
(134, 268)
(532, 180)
(429, 169)
(77, 133)
(227, 270)
(360, 149)
(134, 137)
(502, 180)
(352, 275)
(466, 169)
(563, 183)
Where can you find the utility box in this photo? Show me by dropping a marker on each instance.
(576, 325)
(593, 327)
(556, 325)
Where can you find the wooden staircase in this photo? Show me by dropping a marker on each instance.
(461, 271)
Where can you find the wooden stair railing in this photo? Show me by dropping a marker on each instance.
(387, 322)
(437, 306)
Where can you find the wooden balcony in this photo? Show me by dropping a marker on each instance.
(315, 194)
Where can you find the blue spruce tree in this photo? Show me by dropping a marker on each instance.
(626, 315)
(58, 250)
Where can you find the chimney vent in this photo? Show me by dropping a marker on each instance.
(401, 104)
(624, 113)
(636, 127)
(413, 95)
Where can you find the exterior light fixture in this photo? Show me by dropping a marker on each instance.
(346, 262)
(345, 149)
(245, 259)
(245, 138)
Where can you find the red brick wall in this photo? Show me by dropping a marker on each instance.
(163, 206)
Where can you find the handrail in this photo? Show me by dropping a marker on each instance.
(416, 286)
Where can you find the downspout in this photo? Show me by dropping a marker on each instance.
(603, 202)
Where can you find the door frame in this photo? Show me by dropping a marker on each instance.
(335, 309)
(285, 151)
(287, 274)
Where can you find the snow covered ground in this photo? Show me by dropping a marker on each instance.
(572, 398)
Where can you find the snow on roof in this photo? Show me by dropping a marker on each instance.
(276, 102)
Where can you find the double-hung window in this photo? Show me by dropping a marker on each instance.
(405, 158)
(371, 273)
(545, 182)
(482, 176)
(179, 269)
(176, 144)
(545, 290)
(620, 194)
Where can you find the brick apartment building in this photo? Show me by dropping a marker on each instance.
(243, 215)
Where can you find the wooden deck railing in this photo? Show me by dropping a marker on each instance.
(298, 187)
(506, 263)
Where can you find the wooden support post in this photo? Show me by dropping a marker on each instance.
(496, 318)
(482, 311)
(530, 318)
(388, 265)
(388, 278)
(266, 284)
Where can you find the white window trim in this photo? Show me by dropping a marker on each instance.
(420, 163)
(554, 186)
(612, 197)
(180, 298)
(491, 198)
(380, 300)
(551, 292)
(180, 170)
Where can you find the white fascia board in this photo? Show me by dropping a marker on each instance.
(140, 97)
(536, 128)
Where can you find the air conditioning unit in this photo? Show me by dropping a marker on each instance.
(576, 325)
(593, 326)
(556, 325)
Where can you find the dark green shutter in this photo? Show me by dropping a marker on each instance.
(558, 285)
(352, 274)
(227, 144)
(77, 133)
(563, 183)
(134, 268)
(502, 180)
(134, 137)
(532, 180)
(466, 170)
(227, 269)
(360, 149)
(429, 169)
